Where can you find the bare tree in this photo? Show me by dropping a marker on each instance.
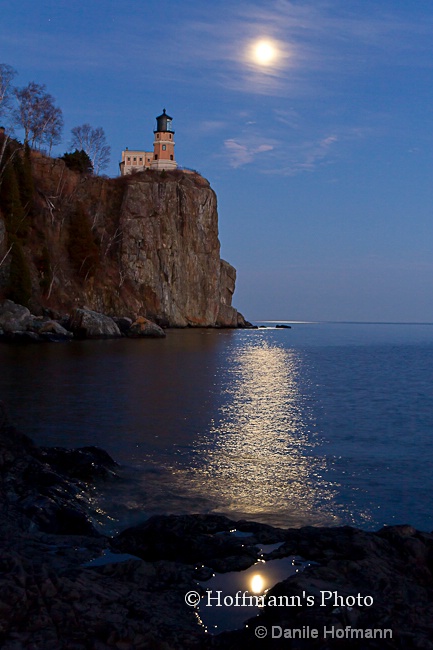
(53, 279)
(53, 130)
(7, 73)
(2, 261)
(93, 142)
(7, 153)
(36, 113)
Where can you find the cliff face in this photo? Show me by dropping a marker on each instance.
(145, 244)
(170, 252)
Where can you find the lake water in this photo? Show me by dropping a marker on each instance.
(321, 424)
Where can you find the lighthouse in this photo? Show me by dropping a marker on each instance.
(163, 143)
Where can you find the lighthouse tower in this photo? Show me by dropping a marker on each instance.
(163, 144)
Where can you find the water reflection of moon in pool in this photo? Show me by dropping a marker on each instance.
(257, 584)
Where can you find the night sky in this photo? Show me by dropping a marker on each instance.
(311, 120)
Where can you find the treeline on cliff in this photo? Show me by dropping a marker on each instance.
(16, 204)
(51, 240)
(32, 110)
(43, 224)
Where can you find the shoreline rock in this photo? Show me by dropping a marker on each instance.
(89, 324)
(52, 596)
(19, 326)
(144, 328)
(14, 317)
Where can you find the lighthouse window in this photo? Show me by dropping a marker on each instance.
(170, 136)
(171, 157)
(164, 147)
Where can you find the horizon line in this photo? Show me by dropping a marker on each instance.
(346, 322)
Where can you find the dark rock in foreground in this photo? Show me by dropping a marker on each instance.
(46, 486)
(191, 539)
(86, 463)
(53, 597)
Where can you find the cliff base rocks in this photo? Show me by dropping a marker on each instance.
(18, 325)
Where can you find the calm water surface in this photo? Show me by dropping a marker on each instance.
(322, 424)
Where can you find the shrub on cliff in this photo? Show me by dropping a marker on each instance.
(82, 249)
(78, 161)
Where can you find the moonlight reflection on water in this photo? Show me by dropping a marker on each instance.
(289, 427)
(255, 460)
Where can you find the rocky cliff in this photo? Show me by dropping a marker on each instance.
(145, 244)
(170, 252)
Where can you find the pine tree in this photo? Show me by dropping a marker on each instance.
(78, 161)
(20, 284)
(23, 169)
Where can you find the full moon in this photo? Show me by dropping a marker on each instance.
(264, 52)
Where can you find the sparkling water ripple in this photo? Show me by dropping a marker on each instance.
(322, 424)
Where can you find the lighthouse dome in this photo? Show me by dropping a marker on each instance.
(163, 123)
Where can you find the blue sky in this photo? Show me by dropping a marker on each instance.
(322, 161)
